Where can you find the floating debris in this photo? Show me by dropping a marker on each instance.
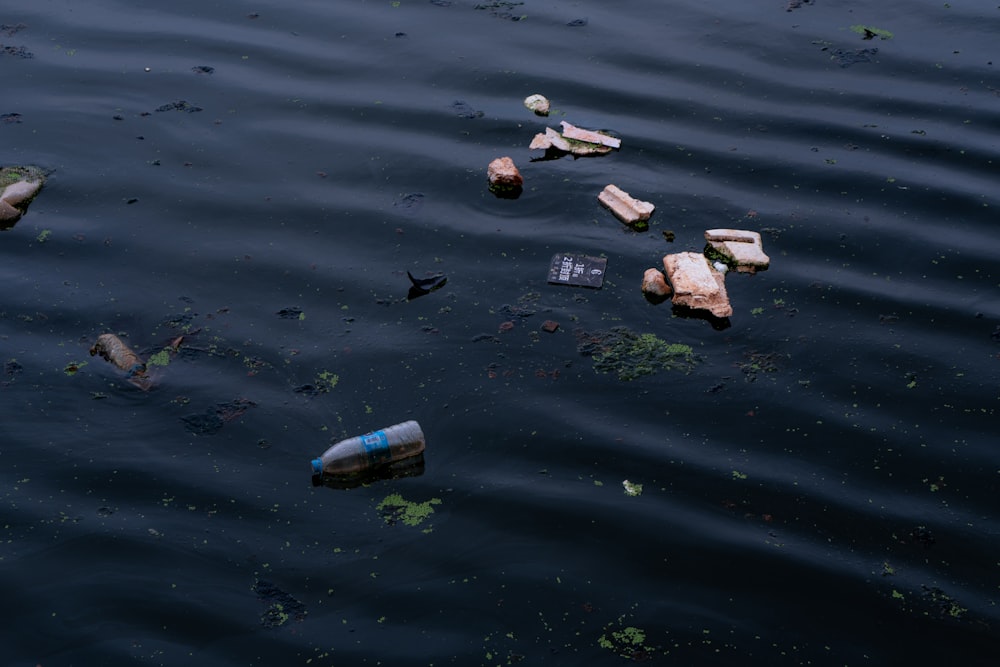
(577, 270)
(213, 419)
(505, 180)
(628, 355)
(410, 203)
(539, 104)
(281, 607)
(422, 286)
(573, 140)
(463, 110)
(180, 105)
(868, 32)
(697, 284)
(396, 509)
(631, 211)
(739, 249)
(18, 187)
(846, 58)
(654, 284)
(16, 51)
(500, 9)
(113, 349)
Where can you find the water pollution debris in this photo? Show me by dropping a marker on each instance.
(626, 208)
(505, 180)
(18, 187)
(213, 419)
(113, 349)
(697, 284)
(739, 249)
(538, 104)
(654, 285)
(281, 607)
(629, 355)
(421, 286)
(577, 270)
(575, 141)
(697, 280)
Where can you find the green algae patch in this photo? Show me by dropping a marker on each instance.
(868, 32)
(161, 358)
(629, 355)
(632, 488)
(396, 509)
(628, 642)
(73, 367)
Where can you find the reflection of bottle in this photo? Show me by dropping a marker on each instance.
(366, 452)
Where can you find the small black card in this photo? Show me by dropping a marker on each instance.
(580, 270)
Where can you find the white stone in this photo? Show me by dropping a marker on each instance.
(626, 208)
(538, 104)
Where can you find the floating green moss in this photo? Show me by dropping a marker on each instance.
(868, 32)
(397, 509)
(631, 488)
(161, 358)
(629, 355)
(628, 642)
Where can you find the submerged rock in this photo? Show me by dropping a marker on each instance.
(18, 186)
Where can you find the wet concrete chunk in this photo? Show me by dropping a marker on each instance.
(697, 284)
(629, 210)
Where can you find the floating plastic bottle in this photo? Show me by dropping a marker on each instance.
(113, 349)
(364, 453)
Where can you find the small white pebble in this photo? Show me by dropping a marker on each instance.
(720, 267)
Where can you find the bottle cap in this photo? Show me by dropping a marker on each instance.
(317, 465)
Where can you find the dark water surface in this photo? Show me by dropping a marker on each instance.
(820, 488)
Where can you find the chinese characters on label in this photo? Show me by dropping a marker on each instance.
(579, 270)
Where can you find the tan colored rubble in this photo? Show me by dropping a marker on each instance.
(591, 137)
(538, 104)
(742, 247)
(503, 174)
(654, 283)
(552, 139)
(626, 208)
(697, 284)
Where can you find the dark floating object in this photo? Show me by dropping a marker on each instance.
(180, 105)
(291, 313)
(202, 69)
(577, 23)
(577, 270)
(464, 110)
(409, 204)
(10, 118)
(422, 286)
(846, 58)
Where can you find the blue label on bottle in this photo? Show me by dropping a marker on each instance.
(376, 447)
